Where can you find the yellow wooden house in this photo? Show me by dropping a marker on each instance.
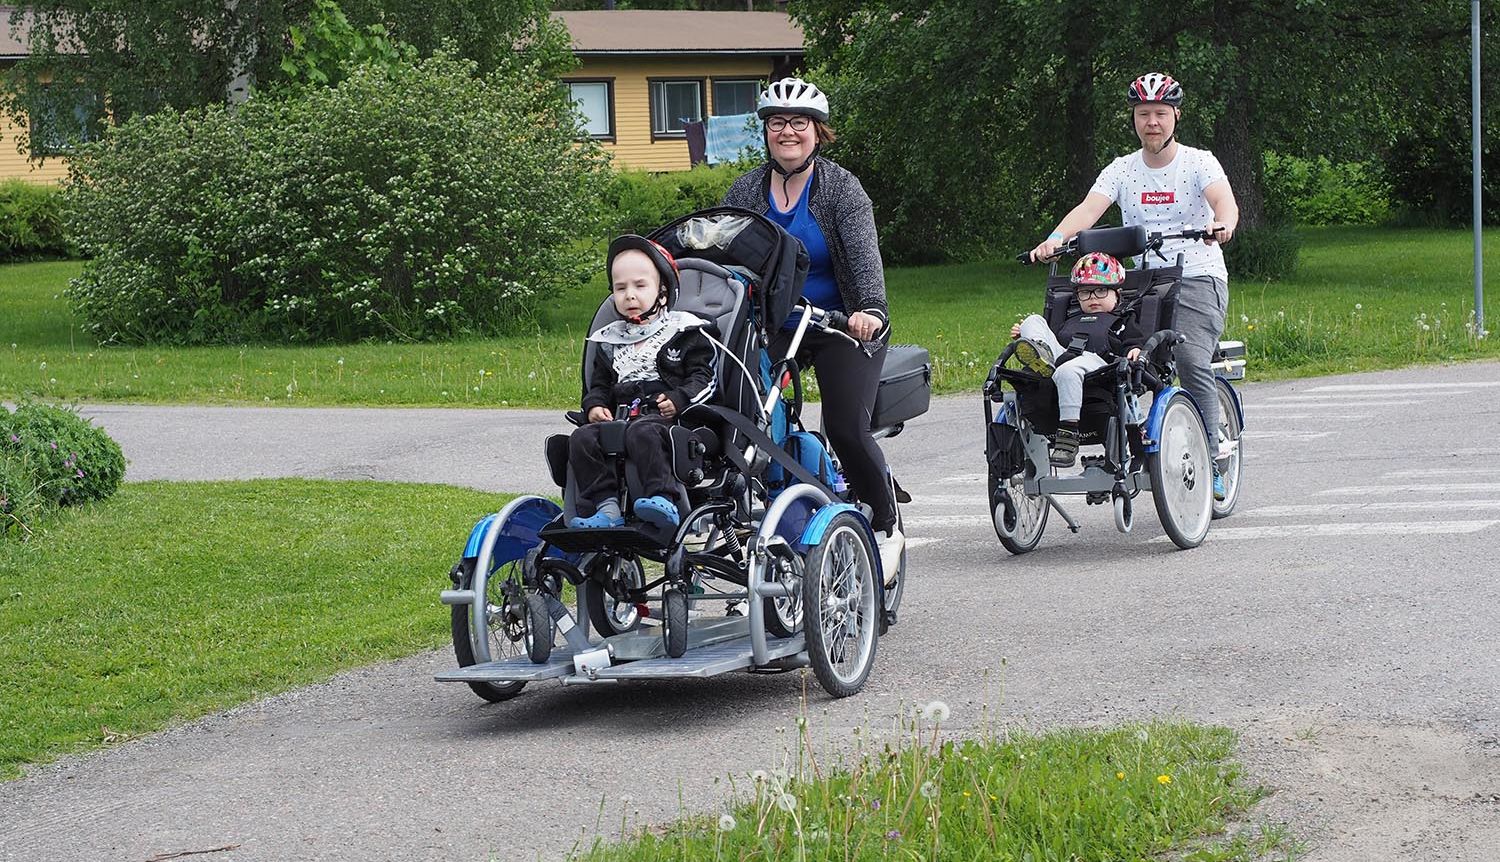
(645, 74)
(643, 77)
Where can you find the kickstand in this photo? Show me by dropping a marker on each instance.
(1052, 501)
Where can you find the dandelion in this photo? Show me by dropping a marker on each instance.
(1251, 327)
(1119, 776)
(759, 776)
(1359, 306)
(1426, 328)
(1164, 779)
(1244, 318)
(52, 380)
(727, 823)
(1142, 735)
(994, 798)
(786, 802)
(936, 711)
(967, 793)
(42, 367)
(1281, 314)
(341, 360)
(928, 790)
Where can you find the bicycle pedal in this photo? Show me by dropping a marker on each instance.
(1093, 461)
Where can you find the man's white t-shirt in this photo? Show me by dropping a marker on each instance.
(1169, 200)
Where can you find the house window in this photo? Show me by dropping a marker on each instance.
(63, 120)
(735, 97)
(674, 104)
(595, 100)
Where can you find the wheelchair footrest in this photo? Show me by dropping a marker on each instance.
(517, 669)
(646, 644)
(704, 661)
(630, 539)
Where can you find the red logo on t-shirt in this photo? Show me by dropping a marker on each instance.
(1158, 197)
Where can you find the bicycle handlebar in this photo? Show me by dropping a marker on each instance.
(1153, 243)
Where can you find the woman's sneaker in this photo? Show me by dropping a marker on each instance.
(1064, 447)
(890, 545)
(1035, 356)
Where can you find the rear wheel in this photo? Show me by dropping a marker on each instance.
(1182, 474)
(783, 615)
(1019, 519)
(504, 632)
(1231, 430)
(838, 596)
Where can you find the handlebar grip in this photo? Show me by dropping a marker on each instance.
(836, 320)
(1025, 258)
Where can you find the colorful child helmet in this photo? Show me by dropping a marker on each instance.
(1154, 87)
(665, 265)
(1096, 267)
(793, 96)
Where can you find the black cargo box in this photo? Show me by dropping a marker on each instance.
(905, 386)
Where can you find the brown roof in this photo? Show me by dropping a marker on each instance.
(12, 45)
(643, 31)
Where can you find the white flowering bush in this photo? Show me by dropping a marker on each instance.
(409, 202)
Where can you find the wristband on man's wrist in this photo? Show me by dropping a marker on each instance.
(1057, 234)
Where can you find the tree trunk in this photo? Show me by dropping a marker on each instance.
(1240, 157)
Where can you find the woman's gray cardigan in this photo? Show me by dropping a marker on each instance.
(843, 213)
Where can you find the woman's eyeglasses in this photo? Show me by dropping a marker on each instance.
(798, 124)
(1093, 292)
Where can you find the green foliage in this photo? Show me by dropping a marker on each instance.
(1265, 253)
(1318, 191)
(640, 201)
(1134, 792)
(52, 457)
(406, 202)
(327, 45)
(182, 599)
(31, 222)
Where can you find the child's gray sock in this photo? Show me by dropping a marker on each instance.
(610, 508)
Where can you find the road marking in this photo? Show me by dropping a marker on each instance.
(964, 479)
(1394, 529)
(919, 541)
(1332, 398)
(1263, 413)
(1387, 387)
(1443, 471)
(978, 520)
(1292, 510)
(1460, 488)
(1257, 434)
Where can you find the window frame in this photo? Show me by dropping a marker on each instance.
(758, 84)
(651, 105)
(92, 131)
(609, 96)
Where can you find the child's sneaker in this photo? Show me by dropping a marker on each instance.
(1220, 490)
(657, 511)
(1064, 447)
(1035, 356)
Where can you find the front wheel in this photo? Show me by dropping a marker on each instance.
(1182, 479)
(1231, 430)
(610, 615)
(674, 624)
(505, 633)
(1019, 519)
(838, 600)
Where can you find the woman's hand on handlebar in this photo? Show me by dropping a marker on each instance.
(864, 326)
(1133, 354)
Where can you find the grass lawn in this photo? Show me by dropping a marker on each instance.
(175, 600)
(1157, 791)
(1356, 302)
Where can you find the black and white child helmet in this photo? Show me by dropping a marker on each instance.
(793, 96)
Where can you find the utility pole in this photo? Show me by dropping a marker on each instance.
(1478, 170)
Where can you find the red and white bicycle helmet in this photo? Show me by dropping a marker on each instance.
(1154, 87)
(1098, 268)
(793, 96)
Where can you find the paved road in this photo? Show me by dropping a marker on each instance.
(1346, 621)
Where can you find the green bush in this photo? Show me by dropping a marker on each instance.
(640, 201)
(410, 202)
(1320, 192)
(1266, 253)
(31, 221)
(52, 457)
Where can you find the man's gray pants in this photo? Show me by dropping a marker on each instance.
(1202, 301)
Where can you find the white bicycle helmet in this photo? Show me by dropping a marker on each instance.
(1154, 87)
(793, 96)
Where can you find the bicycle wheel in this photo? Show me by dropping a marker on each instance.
(841, 615)
(1182, 474)
(1232, 467)
(505, 633)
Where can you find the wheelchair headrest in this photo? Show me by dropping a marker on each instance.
(1120, 242)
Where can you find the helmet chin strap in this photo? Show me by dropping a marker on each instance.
(658, 305)
(786, 175)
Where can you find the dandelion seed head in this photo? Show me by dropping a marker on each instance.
(1142, 735)
(759, 776)
(928, 790)
(936, 711)
(786, 802)
(727, 823)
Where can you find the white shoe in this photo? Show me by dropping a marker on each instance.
(891, 545)
(1226, 449)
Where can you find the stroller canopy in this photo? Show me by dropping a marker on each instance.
(742, 240)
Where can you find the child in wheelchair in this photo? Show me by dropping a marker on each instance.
(1094, 334)
(649, 368)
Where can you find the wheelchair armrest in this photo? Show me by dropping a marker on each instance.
(1165, 338)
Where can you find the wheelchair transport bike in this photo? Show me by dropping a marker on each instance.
(768, 526)
(1151, 430)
